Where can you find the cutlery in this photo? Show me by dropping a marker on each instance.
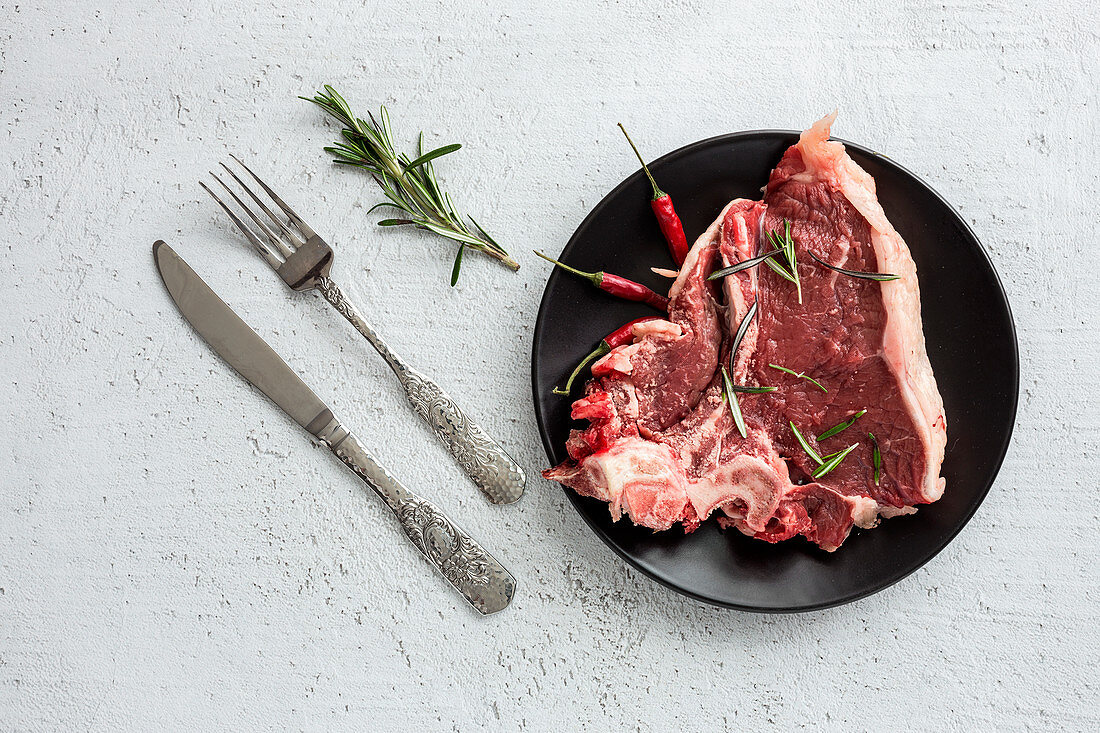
(303, 260)
(463, 562)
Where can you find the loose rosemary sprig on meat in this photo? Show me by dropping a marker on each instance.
(876, 457)
(825, 464)
(730, 396)
(879, 276)
(805, 444)
(785, 243)
(753, 390)
(800, 375)
(842, 426)
(409, 184)
(833, 462)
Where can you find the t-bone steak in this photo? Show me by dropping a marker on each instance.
(661, 444)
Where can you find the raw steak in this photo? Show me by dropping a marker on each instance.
(661, 444)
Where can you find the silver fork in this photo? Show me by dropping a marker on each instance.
(303, 260)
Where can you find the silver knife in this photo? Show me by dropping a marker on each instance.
(463, 562)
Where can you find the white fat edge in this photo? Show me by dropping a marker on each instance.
(705, 239)
(889, 512)
(660, 328)
(865, 511)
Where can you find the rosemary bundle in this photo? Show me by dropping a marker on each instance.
(409, 184)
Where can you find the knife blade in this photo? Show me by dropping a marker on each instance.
(477, 575)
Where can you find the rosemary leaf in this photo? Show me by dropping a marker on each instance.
(450, 234)
(457, 265)
(779, 269)
(386, 128)
(789, 243)
(842, 426)
(880, 276)
(800, 375)
(382, 204)
(753, 390)
(832, 463)
(741, 330)
(438, 152)
(876, 457)
(731, 397)
(483, 232)
(791, 258)
(805, 445)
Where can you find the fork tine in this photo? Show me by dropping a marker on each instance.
(276, 243)
(304, 228)
(262, 247)
(294, 237)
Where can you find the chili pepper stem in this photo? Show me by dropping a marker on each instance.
(602, 350)
(657, 192)
(622, 335)
(594, 277)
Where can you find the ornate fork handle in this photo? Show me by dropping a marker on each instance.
(463, 562)
(484, 461)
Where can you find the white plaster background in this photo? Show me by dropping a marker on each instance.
(175, 554)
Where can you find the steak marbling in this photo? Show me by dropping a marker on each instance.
(661, 444)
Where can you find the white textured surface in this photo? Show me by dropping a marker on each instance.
(174, 553)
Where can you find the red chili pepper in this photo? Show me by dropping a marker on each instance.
(667, 218)
(622, 335)
(616, 285)
(625, 334)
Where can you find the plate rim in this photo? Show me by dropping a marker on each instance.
(878, 586)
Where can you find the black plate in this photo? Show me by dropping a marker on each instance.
(971, 343)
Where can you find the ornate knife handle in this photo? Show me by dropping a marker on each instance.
(463, 562)
(489, 466)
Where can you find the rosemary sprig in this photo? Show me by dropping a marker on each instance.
(880, 276)
(842, 426)
(832, 463)
(876, 457)
(805, 444)
(800, 375)
(785, 243)
(730, 396)
(743, 265)
(753, 390)
(410, 185)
